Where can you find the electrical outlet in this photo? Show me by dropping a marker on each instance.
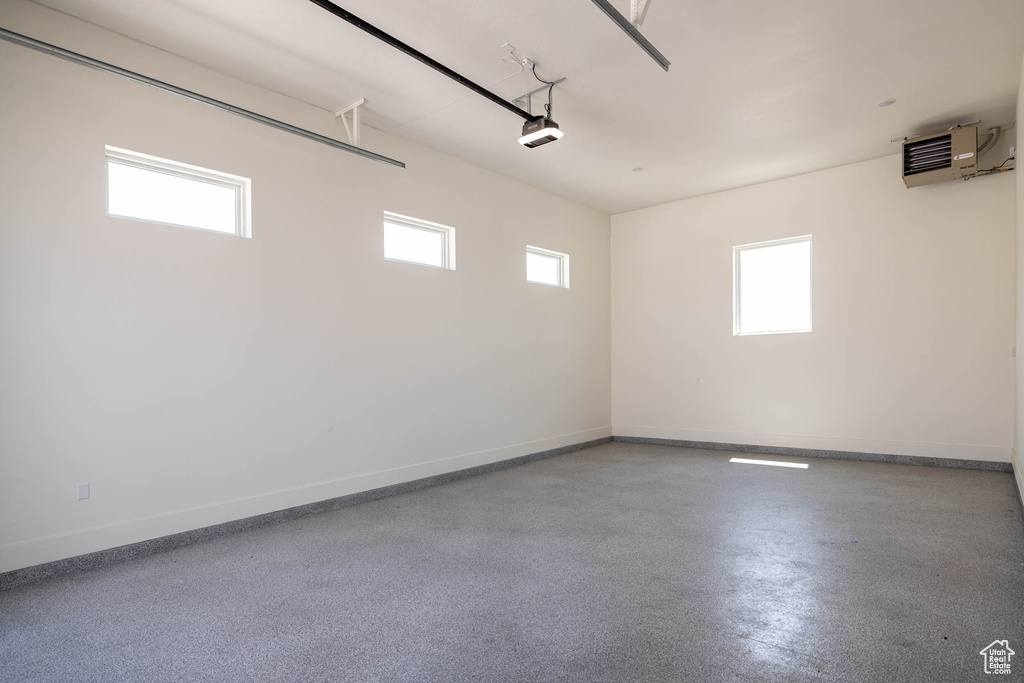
(83, 491)
(698, 380)
(1013, 152)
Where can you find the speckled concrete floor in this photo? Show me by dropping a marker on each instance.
(623, 562)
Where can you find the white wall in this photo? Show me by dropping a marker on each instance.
(913, 313)
(1018, 447)
(193, 378)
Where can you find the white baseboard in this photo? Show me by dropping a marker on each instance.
(79, 542)
(825, 443)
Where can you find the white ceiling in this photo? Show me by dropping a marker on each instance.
(757, 90)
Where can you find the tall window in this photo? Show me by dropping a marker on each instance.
(414, 241)
(772, 287)
(547, 267)
(146, 188)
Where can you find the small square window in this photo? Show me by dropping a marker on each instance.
(146, 188)
(411, 240)
(546, 267)
(772, 287)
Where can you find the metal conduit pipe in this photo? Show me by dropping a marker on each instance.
(993, 137)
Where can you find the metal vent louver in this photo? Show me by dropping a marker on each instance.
(943, 156)
(929, 155)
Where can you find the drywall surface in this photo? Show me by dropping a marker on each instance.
(193, 378)
(1018, 447)
(913, 312)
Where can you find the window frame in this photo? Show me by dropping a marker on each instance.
(446, 231)
(563, 266)
(737, 304)
(147, 162)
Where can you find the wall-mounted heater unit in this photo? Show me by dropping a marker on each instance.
(939, 157)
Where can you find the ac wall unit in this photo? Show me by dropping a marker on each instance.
(940, 157)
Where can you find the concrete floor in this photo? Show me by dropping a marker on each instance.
(622, 562)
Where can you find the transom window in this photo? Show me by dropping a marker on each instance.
(147, 188)
(412, 240)
(546, 267)
(772, 287)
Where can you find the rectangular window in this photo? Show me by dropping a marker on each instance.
(146, 188)
(414, 241)
(547, 267)
(772, 287)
